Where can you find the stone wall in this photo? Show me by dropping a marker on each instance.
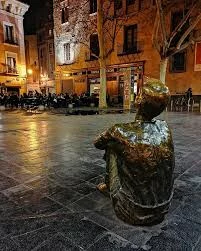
(144, 18)
(13, 16)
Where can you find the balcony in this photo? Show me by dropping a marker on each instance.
(11, 70)
(68, 62)
(8, 70)
(136, 49)
(15, 7)
(12, 41)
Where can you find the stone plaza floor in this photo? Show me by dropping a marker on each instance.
(49, 170)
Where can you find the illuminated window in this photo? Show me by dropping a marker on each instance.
(130, 38)
(67, 54)
(93, 6)
(11, 63)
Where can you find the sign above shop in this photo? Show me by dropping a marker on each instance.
(115, 69)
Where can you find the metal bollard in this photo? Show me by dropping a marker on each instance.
(171, 105)
(189, 105)
(200, 106)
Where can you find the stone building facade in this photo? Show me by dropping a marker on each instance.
(45, 44)
(77, 69)
(12, 49)
(32, 63)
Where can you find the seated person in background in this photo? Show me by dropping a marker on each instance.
(189, 93)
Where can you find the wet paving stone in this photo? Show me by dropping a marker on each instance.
(112, 242)
(49, 170)
(9, 209)
(8, 244)
(58, 242)
(84, 188)
(65, 196)
(83, 232)
(32, 239)
(6, 182)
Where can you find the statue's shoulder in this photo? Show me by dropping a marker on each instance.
(120, 126)
(124, 128)
(161, 123)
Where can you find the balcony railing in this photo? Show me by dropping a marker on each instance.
(135, 49)
(90, 57)
(12, 41)
(11, 70)
(7, 69)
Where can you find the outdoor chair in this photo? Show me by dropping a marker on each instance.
(196, 104)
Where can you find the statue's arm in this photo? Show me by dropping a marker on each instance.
(103, 139)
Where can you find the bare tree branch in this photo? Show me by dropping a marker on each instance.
(155, 33)
(187, 32)
(181, 24)
(162, 24)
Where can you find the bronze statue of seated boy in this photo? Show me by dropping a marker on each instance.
(140, 160)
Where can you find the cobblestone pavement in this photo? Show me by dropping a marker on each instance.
(48, 175)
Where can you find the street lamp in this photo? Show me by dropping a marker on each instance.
(30, 71)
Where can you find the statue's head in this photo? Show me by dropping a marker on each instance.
(152, 99)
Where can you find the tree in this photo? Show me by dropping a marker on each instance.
(181, 36)
(82, 25)
(102, 61)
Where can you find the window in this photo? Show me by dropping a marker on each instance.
(188, 3)
(64, 14)
(41, 53)
(130, 38)
(11, 64)
(178, 62)
(93, 6)
(118, 4)
(8, 8)
(94, 46)
(176, 17)
(9, 34)
(67, 54)
(50, 32)
(40, 38)
(131, 6)
(51, 48)
(130, 2)
(143, 4)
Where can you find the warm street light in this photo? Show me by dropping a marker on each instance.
(30, 71)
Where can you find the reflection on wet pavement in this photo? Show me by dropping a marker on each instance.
(49, 170)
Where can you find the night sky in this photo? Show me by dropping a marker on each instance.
(31, 18)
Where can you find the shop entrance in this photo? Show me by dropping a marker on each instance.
(13, 90)
(67, 86)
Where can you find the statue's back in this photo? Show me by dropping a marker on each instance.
(141, 162)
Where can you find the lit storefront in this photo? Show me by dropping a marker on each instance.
(119, 77)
